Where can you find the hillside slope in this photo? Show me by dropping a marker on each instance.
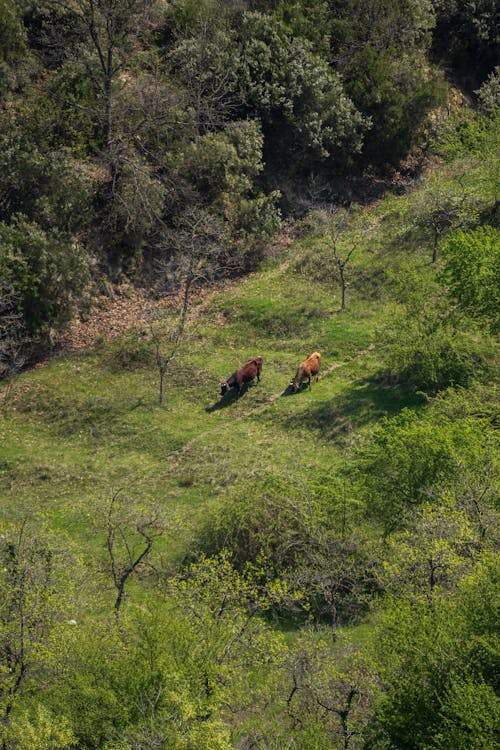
(189, 562)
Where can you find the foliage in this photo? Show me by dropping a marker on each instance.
(46, 269)
(34, 594)
(466, 36)
(471, 270)
(12, 43)
(299, 539)
(40, 730)
(438, 669)
(489, 93)
(49, 188)
(427, 348)
(380, 57)
(287, 86)
(407, 458)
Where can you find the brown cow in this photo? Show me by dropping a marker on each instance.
(244, 374)
(307, 369)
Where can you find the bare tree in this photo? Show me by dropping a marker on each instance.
(341, 263)
(131, 534)
(336, 260)
(192, 252)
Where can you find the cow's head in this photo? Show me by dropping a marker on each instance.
(224, 388)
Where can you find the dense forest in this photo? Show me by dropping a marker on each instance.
(305, 568)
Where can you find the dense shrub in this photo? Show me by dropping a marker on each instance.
(427, 348)
(472, 272)
(46, 269)
(438, 663)
(407, 457)
(297, 541)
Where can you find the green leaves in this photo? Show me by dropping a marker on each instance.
(472, 272)
(45, 269)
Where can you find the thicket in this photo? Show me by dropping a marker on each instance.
(119, 118)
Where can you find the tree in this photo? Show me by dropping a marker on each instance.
(380, 52)
(341, 263)
(301, 101)
(441, 207)
(12, 43)
(405, 460)
(334, 257)
(131, 534)
(30, 606)
(110, 27)
(46, 271)
(466, 35)
(429, 346)
(195, 255)
(14, 343)
(437, 662)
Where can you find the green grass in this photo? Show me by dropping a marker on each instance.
(75, 430)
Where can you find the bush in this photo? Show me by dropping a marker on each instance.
(296, 541)
(472, 271)
(407, 458)
(427, 348)
(130, 352)
(45, 269)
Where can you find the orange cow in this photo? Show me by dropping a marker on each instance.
(307, 369)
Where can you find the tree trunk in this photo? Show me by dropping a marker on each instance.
(342, 285)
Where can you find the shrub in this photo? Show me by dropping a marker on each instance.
(472, 271)
(408, 457)
(427, 348)
(45, 269)
(294, 539)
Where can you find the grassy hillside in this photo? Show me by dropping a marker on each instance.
(86, 427)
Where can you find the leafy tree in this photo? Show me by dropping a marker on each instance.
(466, 35)
(300, 100)
(308, 20)
(110, 27)
(437, 668)
(206, 65)
(472, 272)
(407, 458)
(217, 175)
(318, 700)
(489, 94)
(12, 43)
(443, 205)
(40, 730)
(378, 51)
(49, 188)
(46, 270)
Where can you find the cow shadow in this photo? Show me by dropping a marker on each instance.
(290, 391)
(364, 402)
(228, 398)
